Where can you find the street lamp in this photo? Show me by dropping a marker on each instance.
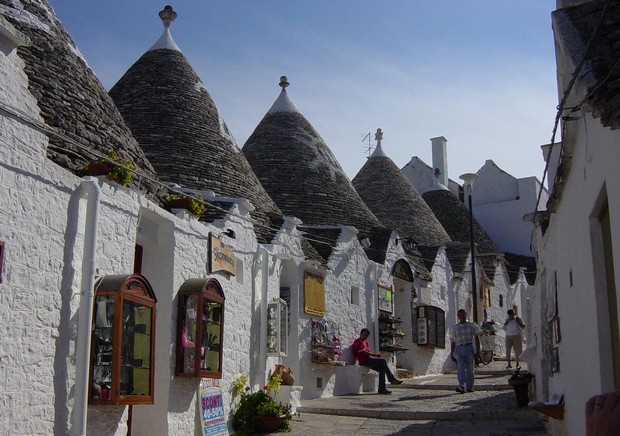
(468, 182)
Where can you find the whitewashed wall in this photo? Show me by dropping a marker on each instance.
(32, 217)
(348, 267)
(499, 203)
(572, 249)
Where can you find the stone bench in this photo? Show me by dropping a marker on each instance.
(355, 379)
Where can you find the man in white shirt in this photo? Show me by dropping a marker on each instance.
(462, 351)
(514, 337)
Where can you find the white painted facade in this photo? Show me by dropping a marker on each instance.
(571, 252)
(500, 202)
(576, 253)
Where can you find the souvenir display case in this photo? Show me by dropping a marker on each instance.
(326, 346)
(122, 341)
(200, 329)
(390, 334)
(277, 328)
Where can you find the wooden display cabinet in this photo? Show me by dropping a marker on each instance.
(123, 341)
(200, 329)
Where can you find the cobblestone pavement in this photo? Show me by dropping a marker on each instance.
(425, 406)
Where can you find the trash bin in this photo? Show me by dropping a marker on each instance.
(520, 382)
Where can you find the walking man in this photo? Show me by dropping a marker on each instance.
(374, 361)
(514, 336)
(462, 338)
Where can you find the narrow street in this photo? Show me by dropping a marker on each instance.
(425, 406)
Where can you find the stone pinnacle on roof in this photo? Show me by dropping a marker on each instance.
(167, 16)
(283, 103)
(378, 150)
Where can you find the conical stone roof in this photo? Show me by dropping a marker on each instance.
(454, 217)
(300, 172)
(85, 123)
(395, 201)
(172, 115)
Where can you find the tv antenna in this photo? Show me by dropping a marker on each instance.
(368, 148)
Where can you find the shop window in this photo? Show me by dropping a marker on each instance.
(123, 341)
(200, 328)
(429, 326)
(277, 327)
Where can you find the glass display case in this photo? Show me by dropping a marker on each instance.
(277, 327)
(122, 341)
(200, 328)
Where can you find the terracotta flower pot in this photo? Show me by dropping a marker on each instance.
(268, 423)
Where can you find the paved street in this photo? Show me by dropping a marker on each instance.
(425, 406)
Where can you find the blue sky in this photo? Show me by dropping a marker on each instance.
(479, 72)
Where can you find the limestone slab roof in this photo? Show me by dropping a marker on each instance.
(300, 172)
(323, 240)
(396, 202)
(83, 122)
(457, 253)
(514, 262)
(176, 122)
(600, 74)
(454, 217)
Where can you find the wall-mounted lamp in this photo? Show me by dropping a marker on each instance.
(230, 233)
(365, 242)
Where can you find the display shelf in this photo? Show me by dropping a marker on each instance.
(326, 348)
(392, 334)
(393, 348)
(389, 334)
(122, 345)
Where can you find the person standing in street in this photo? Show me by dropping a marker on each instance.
(463, 336)
(374, 361)
(514, 337)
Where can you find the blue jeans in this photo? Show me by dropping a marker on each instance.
(465, 361)
(380, 365)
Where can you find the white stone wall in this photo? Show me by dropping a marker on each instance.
(422, 177)
(571, 249)
(348, 267)
(29, 292)
(499, 203)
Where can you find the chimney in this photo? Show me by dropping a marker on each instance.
(440, 159)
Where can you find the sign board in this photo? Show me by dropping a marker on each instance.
(314, 295)
(402, 270)
(222, 257)
(385, 298)
(212, 414)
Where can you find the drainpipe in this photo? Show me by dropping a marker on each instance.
(89, 189)
(261, 299)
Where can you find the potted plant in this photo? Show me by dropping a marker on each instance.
(259, 411)
(113, 168)
(193, 204)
